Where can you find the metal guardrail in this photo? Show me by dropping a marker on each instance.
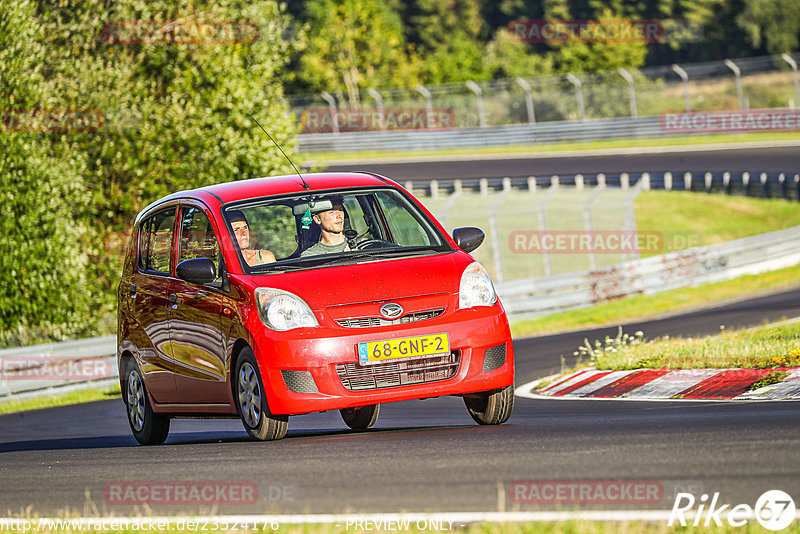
(707, 264)
(39, 369)
(492, 136)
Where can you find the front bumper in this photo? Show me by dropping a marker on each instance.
(316, 352)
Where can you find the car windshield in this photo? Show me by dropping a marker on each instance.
(308, 230)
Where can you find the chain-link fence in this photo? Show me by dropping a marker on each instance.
(753, 83)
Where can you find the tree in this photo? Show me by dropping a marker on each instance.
(177, 109)
(41, 264)
(355, 44)
(773, 25)
(448, 35)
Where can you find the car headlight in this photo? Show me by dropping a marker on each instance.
(476, 287)
(280, 310)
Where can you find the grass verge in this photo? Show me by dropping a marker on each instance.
(644, 307)
(759, 348)
(687, 219)
(60, 399)
(323, 158)
(567, 527)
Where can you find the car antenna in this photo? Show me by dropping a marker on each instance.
(305, 185)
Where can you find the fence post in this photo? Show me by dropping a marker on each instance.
(668, 181)
(601, 179)
(579, 182)
(784, 189)
(687, 181)
(571, 78)
(797, 185)
(327, 97)
(746, 183)
(764, 185)
(507, 184)
(646, 181)
(379, 104)
(554, 182)
(434, 188)
(531, 184)
(792, 63)
(458, 186)
(738, 73)
(624, 181)
(484, 185)
(522, 82)
(421, 89)
(685, 77)
(726, 182)
(410, 186)
(631, 91)
(709, 181)
(587, 222)
(475, 88)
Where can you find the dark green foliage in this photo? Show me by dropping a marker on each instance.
(175, 116)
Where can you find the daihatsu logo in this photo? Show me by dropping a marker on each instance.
(391, 310)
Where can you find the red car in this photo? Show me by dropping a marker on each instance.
(295, 294)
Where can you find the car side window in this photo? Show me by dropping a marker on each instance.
(155, 241)
(197, 237)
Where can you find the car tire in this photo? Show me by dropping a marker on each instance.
(251, 401)
(360, 418)
(491, 408)
(148, 427)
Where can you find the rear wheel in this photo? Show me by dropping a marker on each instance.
(360, 418)
(251, 402)
(491, 408)
(148, 427)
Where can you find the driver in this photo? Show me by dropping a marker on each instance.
(331, 224)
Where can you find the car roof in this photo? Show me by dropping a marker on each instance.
(274, 185)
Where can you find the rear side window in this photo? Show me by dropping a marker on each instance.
(155, 241)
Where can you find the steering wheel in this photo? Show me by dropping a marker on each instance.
(367, 243)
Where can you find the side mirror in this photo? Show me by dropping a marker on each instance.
(468, 238)
(197, 271)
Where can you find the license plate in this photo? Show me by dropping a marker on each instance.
(406, 348)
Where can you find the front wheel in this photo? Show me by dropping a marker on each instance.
(360, 418)
(251, 402)
(148, 427)
(491, 408)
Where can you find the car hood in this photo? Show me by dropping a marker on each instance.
(372, 281)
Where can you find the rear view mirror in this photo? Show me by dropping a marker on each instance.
(197, 271)
(468, 238)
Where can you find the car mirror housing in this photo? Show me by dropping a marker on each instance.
(468, 238)
(197, 271)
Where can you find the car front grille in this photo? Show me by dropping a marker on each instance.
(369, 322)
(357, 377)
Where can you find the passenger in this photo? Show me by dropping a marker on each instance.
(241, 230)
(331, 224)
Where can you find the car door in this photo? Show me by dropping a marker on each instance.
(148, 294)
(195, 316)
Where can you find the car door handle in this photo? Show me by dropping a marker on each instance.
(173, 298)
(132, 291)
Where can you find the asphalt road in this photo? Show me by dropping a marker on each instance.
(423, 455)
(783, 159)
